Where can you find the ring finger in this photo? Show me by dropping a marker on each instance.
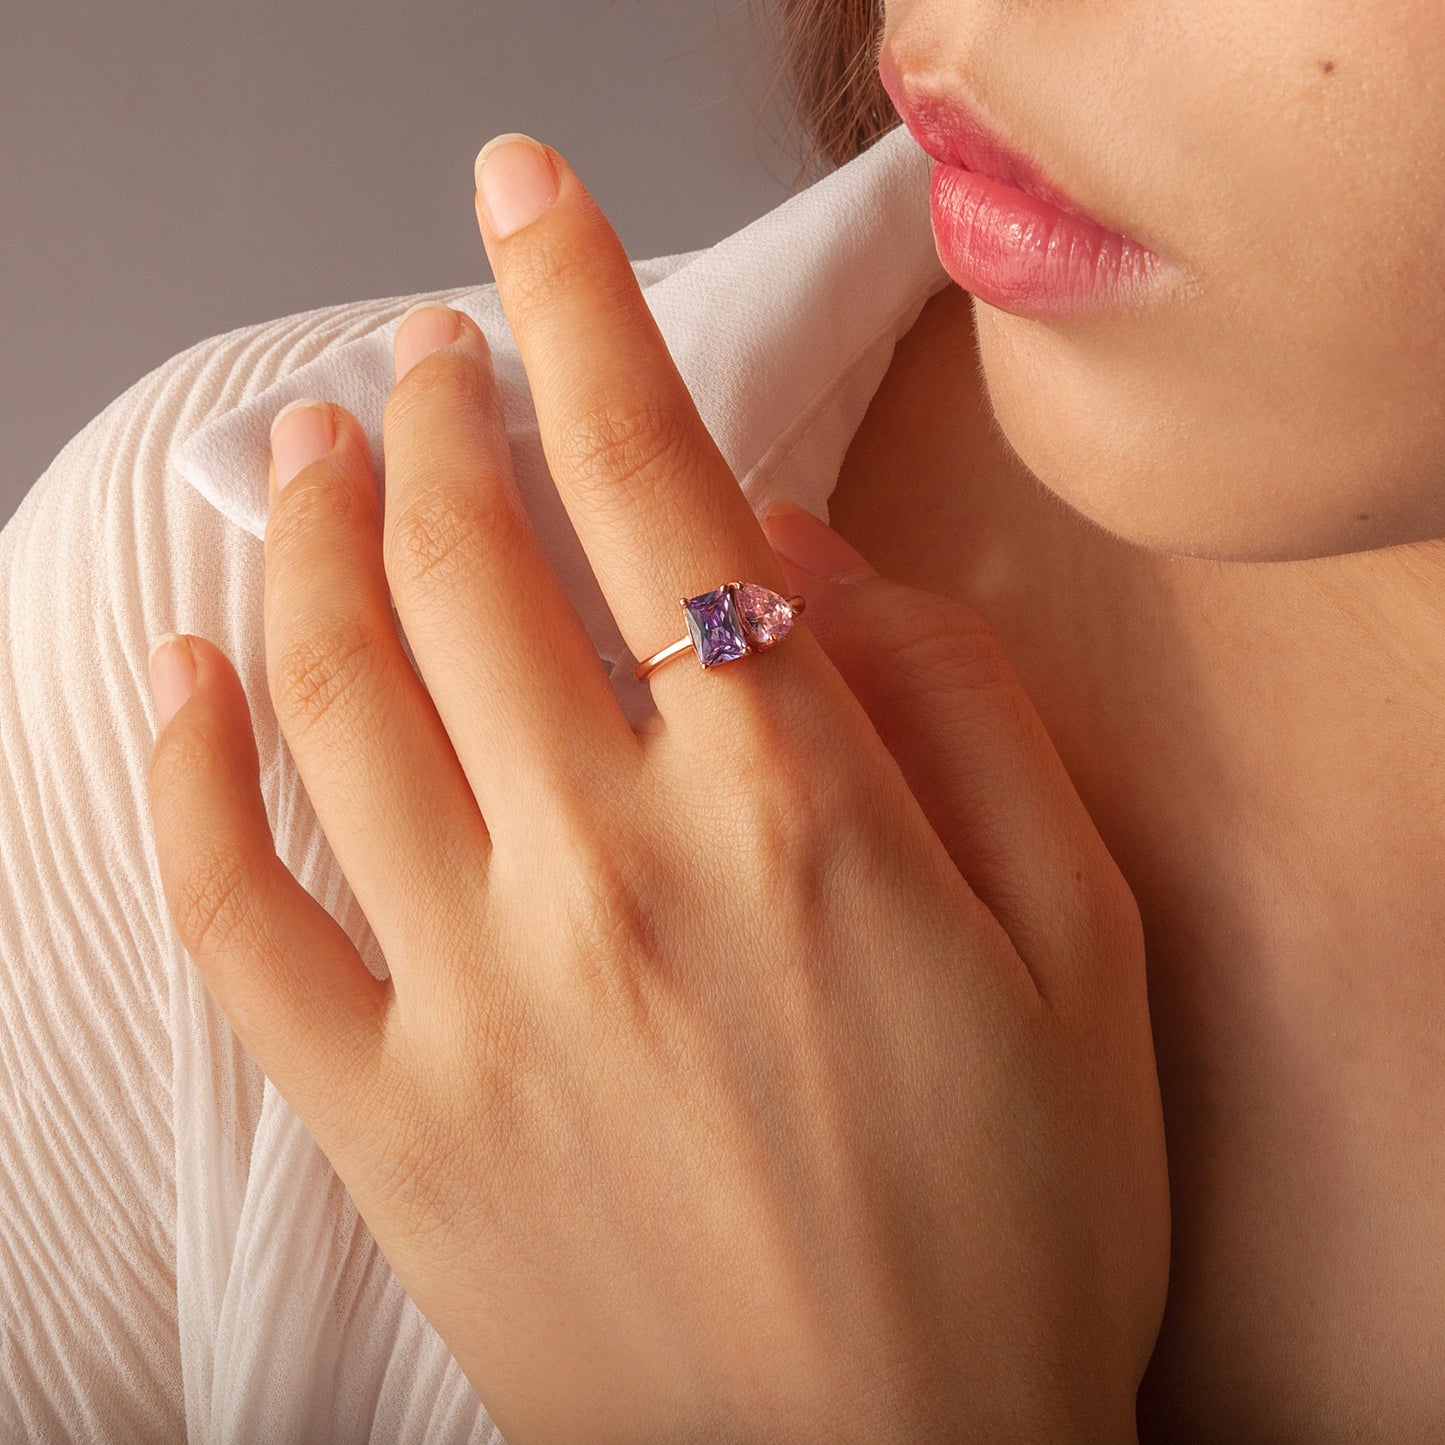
(653, 500)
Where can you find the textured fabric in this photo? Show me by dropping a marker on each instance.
(177, 1258)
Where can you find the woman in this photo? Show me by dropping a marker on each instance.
(1221, 856)
(1233, 631)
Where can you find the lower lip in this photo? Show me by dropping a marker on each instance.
(1024, 255)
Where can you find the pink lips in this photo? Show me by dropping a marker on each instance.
(1003, 229)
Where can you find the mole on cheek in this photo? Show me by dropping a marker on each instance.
(1328, 66)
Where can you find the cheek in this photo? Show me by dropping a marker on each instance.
(1293, 406)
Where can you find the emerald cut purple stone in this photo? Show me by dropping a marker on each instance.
(715, 627)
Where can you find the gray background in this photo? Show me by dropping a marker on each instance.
(171, 170)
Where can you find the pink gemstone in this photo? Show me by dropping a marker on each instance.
(766, 616)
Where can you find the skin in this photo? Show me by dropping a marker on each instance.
(810, 1098)
(1260, 745)
(1285, 155)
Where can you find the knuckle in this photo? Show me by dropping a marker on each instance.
(946, 646)
(216, 903)
(316, 506)
(612, 453)
(542, 275)
(444, 383)
(181, 756)
(329, 678)
(445, 537)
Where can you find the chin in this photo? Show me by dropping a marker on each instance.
(1135, 449)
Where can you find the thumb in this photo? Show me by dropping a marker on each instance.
(947, 702)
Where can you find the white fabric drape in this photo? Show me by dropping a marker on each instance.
(177, 1258)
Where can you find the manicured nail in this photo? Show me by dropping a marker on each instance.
(301, 433)
(812, 545)
(427, 327)
(173, 676)
(516, 181)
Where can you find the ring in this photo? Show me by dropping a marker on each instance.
(729, 622)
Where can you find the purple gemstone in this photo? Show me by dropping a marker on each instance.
(766, 615)
(715, 627)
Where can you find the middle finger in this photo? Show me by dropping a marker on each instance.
(506, 659)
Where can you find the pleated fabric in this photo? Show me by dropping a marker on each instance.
(177, 1258)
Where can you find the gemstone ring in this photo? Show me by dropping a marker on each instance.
(729, 622)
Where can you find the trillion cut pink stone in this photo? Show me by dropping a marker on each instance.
(766, 616)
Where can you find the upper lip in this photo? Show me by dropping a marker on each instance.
(957, 136)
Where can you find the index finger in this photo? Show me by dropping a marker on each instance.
(653, 500)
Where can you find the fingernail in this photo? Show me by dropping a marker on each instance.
(427, 327)
(301, 433)
(516, 180)
(173, 676)
(814, 546)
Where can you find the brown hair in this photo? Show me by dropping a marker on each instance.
(828, 61)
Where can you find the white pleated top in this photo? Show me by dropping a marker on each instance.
(177, 1258)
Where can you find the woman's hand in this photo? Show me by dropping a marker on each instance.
(777, 1070)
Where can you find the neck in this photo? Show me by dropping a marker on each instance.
(1297, 707)
(1325, 692)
